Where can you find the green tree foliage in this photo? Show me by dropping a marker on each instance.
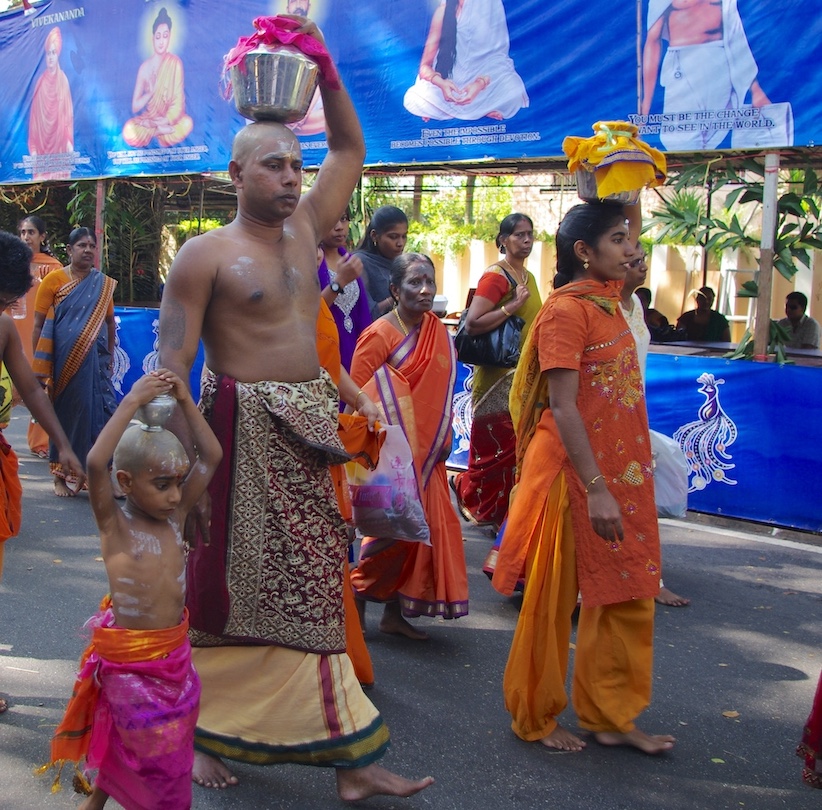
(133, 220)
(684, 218)
(445, 223)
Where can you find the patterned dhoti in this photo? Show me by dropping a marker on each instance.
(266, 595)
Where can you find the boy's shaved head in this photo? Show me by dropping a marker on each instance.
(139, 449)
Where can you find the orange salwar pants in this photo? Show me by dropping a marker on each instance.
(614, 650)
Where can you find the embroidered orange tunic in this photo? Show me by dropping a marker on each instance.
(581, 328)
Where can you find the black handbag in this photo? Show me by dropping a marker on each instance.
(499, 347)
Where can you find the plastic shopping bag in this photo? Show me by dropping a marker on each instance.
(670, 476)
(386, 501)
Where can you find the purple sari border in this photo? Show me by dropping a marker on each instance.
(446, 419)
(419, 607)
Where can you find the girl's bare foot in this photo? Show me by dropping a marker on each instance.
(647, 743)
(562, 739)
(96, 801)
(394, 623)
(356, 784)
(61, 489)
(669, 598)
(211, 772)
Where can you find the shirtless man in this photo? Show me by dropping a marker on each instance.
(708, 66)
(250, 291)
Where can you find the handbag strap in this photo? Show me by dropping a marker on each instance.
(510, 278)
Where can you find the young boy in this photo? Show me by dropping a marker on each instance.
(134, 707)
(15, 280)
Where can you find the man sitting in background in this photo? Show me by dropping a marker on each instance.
(803, 329)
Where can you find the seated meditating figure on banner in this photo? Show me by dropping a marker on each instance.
(51, 118)
(313, 122)
(465, 71)
(708, 66)
(159, 103)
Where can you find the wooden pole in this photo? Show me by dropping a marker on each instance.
(762, 324)
(416, 213)
(470, 184)
(99, 225)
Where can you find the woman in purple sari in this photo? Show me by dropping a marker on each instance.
(343, 289)
(73, 350)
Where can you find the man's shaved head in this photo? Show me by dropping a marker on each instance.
(251, 136)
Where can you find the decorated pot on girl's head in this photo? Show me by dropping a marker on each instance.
(274, 83)
(587, 190)
(156, 413)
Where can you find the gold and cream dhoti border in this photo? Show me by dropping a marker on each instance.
(292, 707)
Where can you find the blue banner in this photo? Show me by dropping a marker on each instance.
(750, 431)
(731, 419)
(94, 88)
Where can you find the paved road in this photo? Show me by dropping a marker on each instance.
(751, 643)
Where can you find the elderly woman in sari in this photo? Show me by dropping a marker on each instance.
(51, 118)
(506, 288)
(159, 102)
(465, 71)
(405, 362)
(72, 350)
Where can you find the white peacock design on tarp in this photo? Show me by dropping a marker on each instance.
(121, 363)
(705, 442)
(151, 362)
(463, 414)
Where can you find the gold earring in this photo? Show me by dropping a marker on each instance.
(585, 265)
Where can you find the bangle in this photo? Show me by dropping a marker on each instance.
(357, 398)
(507, 313)
(593, 481)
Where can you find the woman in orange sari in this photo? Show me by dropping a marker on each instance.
(405, 362)
(583, 516)
(358, 439)
(32, 230)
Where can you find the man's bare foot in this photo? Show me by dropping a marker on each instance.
(669, 598)
(62, 489)
(356, 784)
(647, 743)
(4, 705)
(96, 801)
(562, 739)
(211, 772)
(394, 623)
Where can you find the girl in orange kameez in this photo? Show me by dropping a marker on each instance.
(406, 358)
(582, 517)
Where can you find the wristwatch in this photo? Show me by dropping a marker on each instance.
(335, 287)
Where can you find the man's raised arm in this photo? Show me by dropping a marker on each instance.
(340, 171)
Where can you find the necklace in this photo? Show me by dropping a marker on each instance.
(400, 321)
(523, 275)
